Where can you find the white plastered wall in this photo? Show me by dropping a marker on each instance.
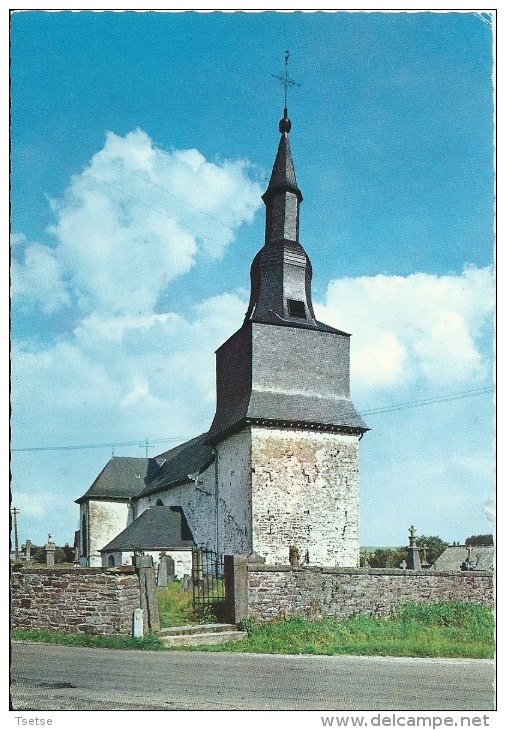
(217, 505)
(106, 519)
(198, 501)
(182, 559)
(234, 494)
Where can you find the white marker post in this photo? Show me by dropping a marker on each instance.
(138, 623)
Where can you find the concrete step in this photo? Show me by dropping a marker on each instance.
(197, 629)
(203, 639)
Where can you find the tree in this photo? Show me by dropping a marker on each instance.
(482, 540)
(40, 555)
(435, 546)
(386, 557)
(393, 557)
(69, 553)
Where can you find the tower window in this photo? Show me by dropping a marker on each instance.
(296, 308)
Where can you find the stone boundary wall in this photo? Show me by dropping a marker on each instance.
(76, 601)
(276, 592)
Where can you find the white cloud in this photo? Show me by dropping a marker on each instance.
(136, 218)
(117, 377)
(37, 277)
(489, 510)
(420, 327)
(42, 504)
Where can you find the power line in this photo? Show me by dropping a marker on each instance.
(177, 197)
(144, 443)
(170, 217)
(152, 207)
(427, 401)
(141, 442)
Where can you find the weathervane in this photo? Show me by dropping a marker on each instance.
(286, 81)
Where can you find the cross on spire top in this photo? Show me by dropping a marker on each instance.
(286, 81)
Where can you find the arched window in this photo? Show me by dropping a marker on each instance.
(84, 536)
(110, 561)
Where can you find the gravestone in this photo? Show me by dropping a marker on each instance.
(144, 568)
(294, 557)
(413, 551)
(161, 578)
(28, 557)
(50, 548)
(185, 583)
(171, 569)
(166, 570)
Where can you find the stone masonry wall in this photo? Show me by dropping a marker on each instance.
(276, 592)
(305, 494)
(79, 601)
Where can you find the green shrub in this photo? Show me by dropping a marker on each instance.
(248, 625)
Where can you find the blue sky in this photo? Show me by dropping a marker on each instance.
(141, 143)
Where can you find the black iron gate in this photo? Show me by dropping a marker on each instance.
(208, 578)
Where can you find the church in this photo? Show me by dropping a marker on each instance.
(277, 472)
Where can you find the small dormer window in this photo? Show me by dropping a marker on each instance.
(296, 308)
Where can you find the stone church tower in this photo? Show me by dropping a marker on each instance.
(285, 431)
(277, 473)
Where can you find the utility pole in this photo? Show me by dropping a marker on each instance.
(15, 512)
(146, 445)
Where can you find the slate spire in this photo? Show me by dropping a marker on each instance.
(283, 367)
(282, 182)
(281, 272)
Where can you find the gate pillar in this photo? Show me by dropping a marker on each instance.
(236, 587)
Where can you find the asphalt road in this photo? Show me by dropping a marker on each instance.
(49, 677)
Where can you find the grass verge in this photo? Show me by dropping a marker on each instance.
(445, 630)
(450, 630)
(150, 642)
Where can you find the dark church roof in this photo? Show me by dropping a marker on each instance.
(295, 373)
(283, 172)
(181, 465)
(122, 478)
(158, 528)
(304, 408)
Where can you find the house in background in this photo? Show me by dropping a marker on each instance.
(461, 557)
